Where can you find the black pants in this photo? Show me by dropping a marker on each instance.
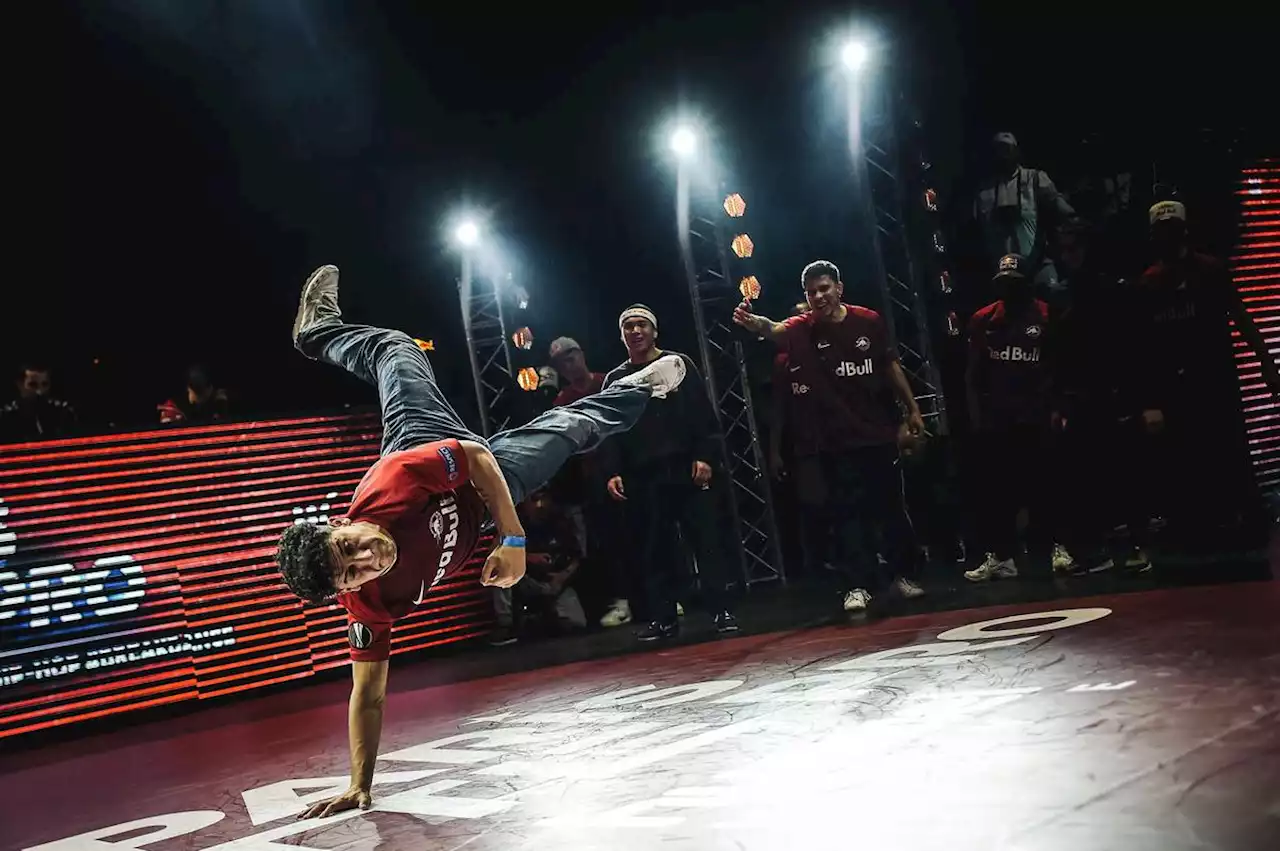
(867, 508)
(663, 504)
(1015, 468)
(1195, 472)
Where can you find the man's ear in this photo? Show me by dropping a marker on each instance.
(335, 522)
(840, 288)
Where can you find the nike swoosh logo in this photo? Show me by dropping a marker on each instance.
(824, 345)
(422, 592)
(795, 369)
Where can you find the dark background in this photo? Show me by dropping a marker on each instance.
(185, 165)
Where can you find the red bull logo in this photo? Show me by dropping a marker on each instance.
(1015, 353)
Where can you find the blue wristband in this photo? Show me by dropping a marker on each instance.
(513, 541)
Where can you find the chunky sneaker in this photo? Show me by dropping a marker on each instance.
(619, 613)
(726, 622)
(992, 568)
(908, 589)
(1063, 561)
(657, 630)
(857, 600)
(661, 377)
(319, 301)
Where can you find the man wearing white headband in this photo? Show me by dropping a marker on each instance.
(1183, 389)
(664, 471)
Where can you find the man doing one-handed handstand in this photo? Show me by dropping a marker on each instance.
(417, 515)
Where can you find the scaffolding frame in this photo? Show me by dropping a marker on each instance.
(713, 295)
(492, 370)
(888, 179)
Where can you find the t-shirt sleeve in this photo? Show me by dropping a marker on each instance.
(368, 641)
(405, 479)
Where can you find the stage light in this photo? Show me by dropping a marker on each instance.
(743, 246)
(944, 281)
(467, 234)
(523, 338)
(854, 55)
(527, 378)
(749, 287)
(684, 142)
(735, 205)
(425, 345)
(931, 200)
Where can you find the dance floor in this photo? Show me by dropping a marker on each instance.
(1135, 721)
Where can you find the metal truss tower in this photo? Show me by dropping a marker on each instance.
(492, 369)
(898, 203)
(714, 294)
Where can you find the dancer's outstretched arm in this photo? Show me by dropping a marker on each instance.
(506, 564)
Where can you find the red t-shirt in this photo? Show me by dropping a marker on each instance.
(569, 393)
(845, 365)
(795, 400)
(422, 498)
(1013, 374)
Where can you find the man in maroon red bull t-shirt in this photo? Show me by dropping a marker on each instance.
(416, 516)
(1014, 412)
(842, 353)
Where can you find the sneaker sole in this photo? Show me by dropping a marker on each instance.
(306, 293)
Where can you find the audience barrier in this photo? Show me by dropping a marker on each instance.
(136, 570)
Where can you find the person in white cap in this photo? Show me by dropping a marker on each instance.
(1183, 387)
(663, 470)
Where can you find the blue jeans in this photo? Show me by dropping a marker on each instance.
(414, 411)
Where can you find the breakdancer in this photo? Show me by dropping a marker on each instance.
(417, 515)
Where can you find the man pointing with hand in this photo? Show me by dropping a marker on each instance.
(840, 358)
(417, 516)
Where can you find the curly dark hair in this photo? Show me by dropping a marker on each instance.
(304, 561)
(817, 269)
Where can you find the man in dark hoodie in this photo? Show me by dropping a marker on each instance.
(664, 471)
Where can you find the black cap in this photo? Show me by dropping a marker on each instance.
(1012, 266)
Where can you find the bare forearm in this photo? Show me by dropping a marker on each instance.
(488, 480)
(364, 721)
(902, 388)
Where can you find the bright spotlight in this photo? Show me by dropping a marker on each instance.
(467, 234)
(684, 141)
(854, 55)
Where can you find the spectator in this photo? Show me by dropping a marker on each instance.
(554, 554)
(791, 455)
(204, 401)
(578, 486)
(1015, 414)
(1014, 209)
(1090, 334)
(842, 354)
(1182, 387)
(663, 470)
(36, 414)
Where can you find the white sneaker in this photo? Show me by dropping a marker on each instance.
(992, 568)
(857, 600)
(619, 613)
(679, 610)
(1063, 561)
(908, 589)
(661, 377)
